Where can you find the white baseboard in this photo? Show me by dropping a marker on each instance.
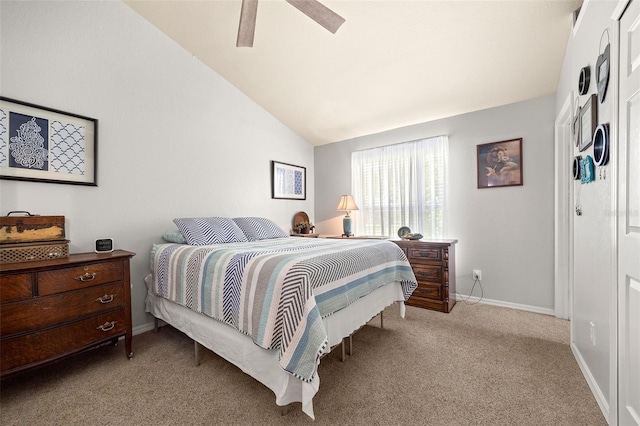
(460, 298)
(143, 328)
(591, 381)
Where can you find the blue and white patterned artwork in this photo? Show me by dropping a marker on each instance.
(67, 148)
(289, 181)
(47, 145)
(28, 142)
(4, 144)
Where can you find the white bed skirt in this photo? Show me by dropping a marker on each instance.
(262, 364)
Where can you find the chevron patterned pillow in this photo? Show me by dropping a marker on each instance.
(202, 231)
(259, 228)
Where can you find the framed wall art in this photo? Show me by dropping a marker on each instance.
(588, 122)
(500, 164)
(46, 145)
(288, 182)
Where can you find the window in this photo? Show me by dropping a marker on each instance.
(401, 185)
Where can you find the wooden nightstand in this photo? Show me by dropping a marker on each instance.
(305, 235)
(50, 309)
(434, 265)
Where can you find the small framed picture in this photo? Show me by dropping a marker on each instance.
(588, 122)
(575, 128)
(500, 164)
(46, 145)
(288, 182)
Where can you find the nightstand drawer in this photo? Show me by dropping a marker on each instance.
(28, 315)
(53, 343)
(59, 280)
(429, 291)
(417, 253)
(16, 287)
(428, 273)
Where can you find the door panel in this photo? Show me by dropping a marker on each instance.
(629, 219)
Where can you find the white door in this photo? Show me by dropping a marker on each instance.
(629, 219)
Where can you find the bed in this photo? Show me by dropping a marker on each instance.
(269, 303)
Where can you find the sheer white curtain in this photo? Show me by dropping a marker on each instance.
(401, 185)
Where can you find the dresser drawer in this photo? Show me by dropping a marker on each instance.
(428, 273)
(24, 316)
(56, 342)
(15, 287)
(430, 291)
(59, 280)
(424, 253)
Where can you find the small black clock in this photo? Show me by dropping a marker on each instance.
(583, 81)
(104, 245)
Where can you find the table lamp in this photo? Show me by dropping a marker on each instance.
(346, 204)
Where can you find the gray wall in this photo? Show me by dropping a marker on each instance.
(175, 139)
(593, 231)
(505, 232)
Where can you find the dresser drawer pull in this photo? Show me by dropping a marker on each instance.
(107, 298)
(107, 326)
(86, 277)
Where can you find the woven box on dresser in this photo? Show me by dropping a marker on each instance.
(30, 237)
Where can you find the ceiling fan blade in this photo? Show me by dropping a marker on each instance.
(319, 13)
(247, 26)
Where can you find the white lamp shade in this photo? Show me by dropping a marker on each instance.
(347, 203)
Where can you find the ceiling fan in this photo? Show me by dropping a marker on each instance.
(312, 8)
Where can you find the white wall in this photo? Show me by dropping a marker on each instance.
(505, 232)
(593, 231)
(175, 139)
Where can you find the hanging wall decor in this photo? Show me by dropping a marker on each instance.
(587, 170)
(601, 145)
(575, 128)
(583, 80)
(576, 167)
(500, 164)
(602, 69)
(288, 182)
(588, 122)
(46, 145)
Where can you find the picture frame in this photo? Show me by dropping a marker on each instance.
(288, 181)
(575, 127)
(588, 122)
(499, 164)
(42, 144)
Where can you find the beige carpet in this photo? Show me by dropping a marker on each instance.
(478, 365)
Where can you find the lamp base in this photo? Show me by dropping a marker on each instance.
(346, 226)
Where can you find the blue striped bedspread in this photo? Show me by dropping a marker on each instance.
(277, 291)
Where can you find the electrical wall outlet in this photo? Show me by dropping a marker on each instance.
(477, 274)
(592, 333)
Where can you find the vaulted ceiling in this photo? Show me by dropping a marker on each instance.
(392, 63)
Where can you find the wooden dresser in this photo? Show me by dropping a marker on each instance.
(434, 265)
(53, 308)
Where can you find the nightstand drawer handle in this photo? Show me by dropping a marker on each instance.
(107, 326)
(107, 298)
(86, 277)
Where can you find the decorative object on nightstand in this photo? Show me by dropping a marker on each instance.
(302, 226)
(347, 204)
(405, 233)
(50, 309)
